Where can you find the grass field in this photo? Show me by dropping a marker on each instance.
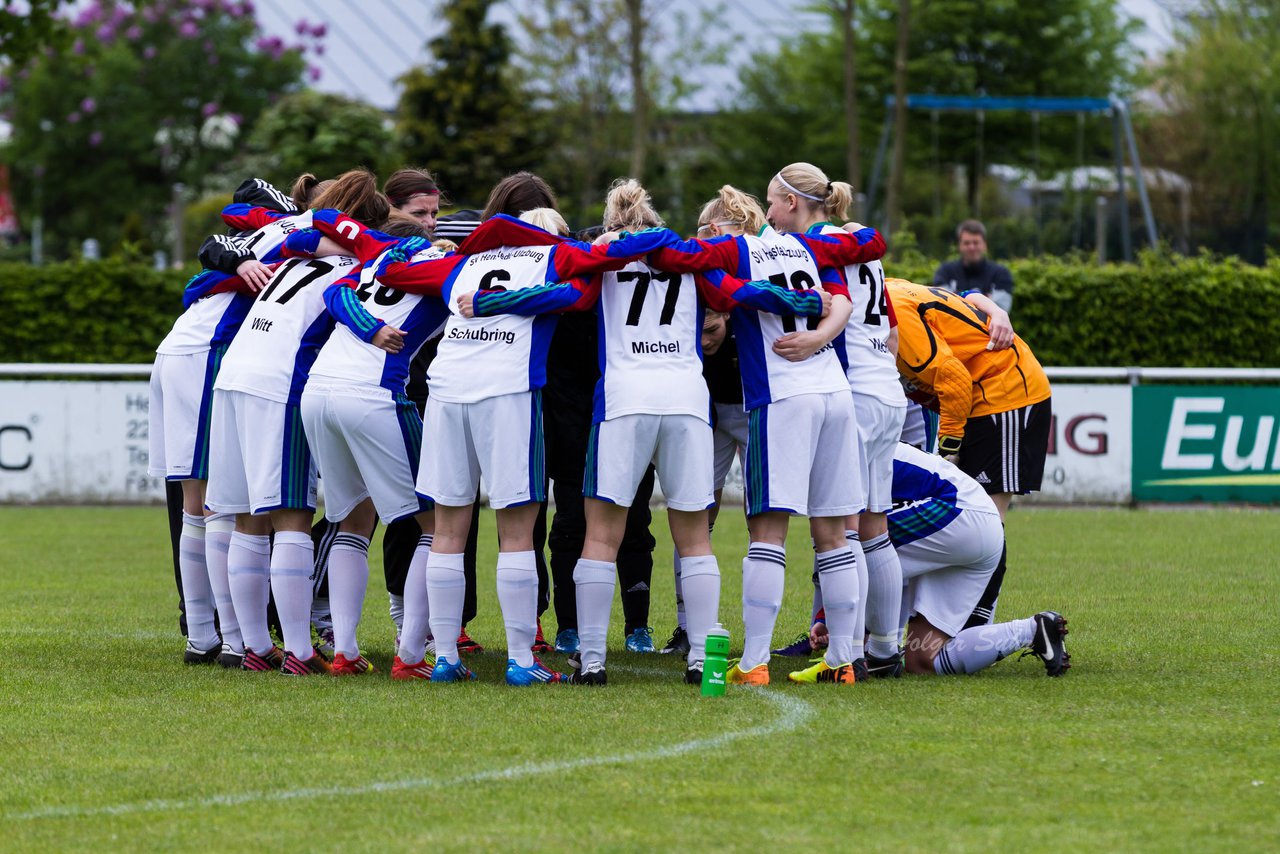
(1164, 735)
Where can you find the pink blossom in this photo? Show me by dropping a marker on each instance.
(73, 117)
(78, 47)
(149, 52)
(236, 117)
(95, 138)
(106, 32)
(314, 73)
(88, 105)
(133, 33)
(319, 50)
(319, 30)
(209, 109)
(188, 30)
(301, 27)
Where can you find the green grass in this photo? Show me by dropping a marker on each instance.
(1162, 736)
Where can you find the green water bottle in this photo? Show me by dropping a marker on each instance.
(715, 668)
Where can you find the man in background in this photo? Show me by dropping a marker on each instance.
(975, 271)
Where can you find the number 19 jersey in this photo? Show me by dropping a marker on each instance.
(766, 376)
(650, 345)
(273, 352)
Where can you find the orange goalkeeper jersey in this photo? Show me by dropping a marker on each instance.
(942, 350)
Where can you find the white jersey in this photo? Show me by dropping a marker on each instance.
(651, 345)
(483, 357)
(207, 318)
(346, 359)
(766, 376)
(277, 343)
(872, 369)
(920, 478)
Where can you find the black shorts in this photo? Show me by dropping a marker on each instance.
(1005, 452)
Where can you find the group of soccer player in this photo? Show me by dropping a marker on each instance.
(772, 335)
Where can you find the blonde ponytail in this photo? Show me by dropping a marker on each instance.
(733, 206)
(629, 208)
(810, 186)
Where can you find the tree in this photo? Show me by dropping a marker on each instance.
(893, 203)
(148, 95)
(320, 133)
(610, 75)
(1220, 97)
(465, 115)
(25, 34)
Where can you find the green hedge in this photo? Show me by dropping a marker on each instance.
(1179, 312)
(115, 310)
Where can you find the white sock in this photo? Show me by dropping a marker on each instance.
(860, 612)
(677, 564)
(702, 601)
(197, 595)
(518, 597)
(982, 646)
(838, 577)
(217, 540)
(764, 572)
(292, 563)
(396, 604)
(594, 581)
(348, 580)
(249, 581)
(446, 592)
(884, 597)
(416, 611)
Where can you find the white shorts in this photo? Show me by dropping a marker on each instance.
(621, 449)
(947, 569)
(802, 457)
(259, 456)
(728, 440)
(181, 399)
(879, 430)
(500, 437)
(366, 445)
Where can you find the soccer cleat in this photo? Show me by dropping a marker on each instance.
(194, 655)
(640, 640)
(679, 643)
(269, 660)
(860, 672)
(540, 642)
(758, 675)
(592, 674)
(466, 645)
(538, 673)
(421, 670)
(294, 666)
(447, 671)
(343, 666)
(820, 672)
(883, 668)
(229, 658)
(799, 648)
(567, 640)
(1047, 642)
(323, 640)
(693, 674)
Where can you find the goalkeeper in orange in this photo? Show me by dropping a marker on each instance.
(993, 400)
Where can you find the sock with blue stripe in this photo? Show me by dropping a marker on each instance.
(446, 593)
(594, 582)
(249, 581)
(838, 577)
(884, 597)
(860, 612)
(764, 572)
(348, 580)
(217, 542)
(518, 597)
(197, 595)
(292, 565)
(417, 607)
(978, 648)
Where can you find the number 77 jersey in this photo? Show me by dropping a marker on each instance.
(271, 355)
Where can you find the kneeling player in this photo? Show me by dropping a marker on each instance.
(949, 538)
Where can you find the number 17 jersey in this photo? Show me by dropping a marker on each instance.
(272, 354)
(651, 345)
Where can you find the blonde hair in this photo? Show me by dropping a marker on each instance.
(810, 186)
(736, 207)
(445, 245)
(547, 219)
(628, 206)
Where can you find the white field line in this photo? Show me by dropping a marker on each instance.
(793, 712)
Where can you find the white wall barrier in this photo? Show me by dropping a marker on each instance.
(86, 441)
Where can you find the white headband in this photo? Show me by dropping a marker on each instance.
(784, 183)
